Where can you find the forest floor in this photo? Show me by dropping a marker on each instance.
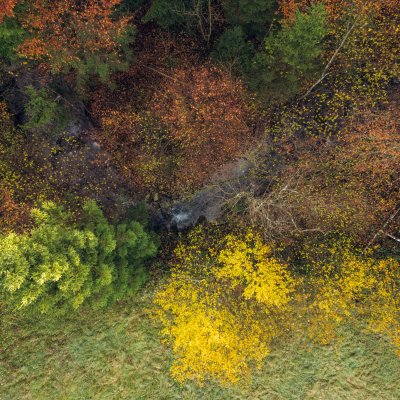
(117, 354)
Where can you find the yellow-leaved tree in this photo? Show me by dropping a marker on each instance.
(347, 284)
(384, 301)
(224, 302)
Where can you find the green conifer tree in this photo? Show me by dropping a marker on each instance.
(61, 265)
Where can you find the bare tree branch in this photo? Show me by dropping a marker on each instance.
(325, 72)
(391, 236)
(388, 221)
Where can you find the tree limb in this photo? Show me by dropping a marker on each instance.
(388, 221)
(325, 72)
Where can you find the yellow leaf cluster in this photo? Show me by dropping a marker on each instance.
(248, 263)
(349, 284)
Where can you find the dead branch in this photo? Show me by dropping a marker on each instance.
(325, 72)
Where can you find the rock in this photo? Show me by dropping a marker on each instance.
(207, 203)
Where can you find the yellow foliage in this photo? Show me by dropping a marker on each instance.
(227, 299)
(249, 263)
(349, 284)
(384, 301)
(221, 307)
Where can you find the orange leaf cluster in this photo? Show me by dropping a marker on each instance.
(372, 148)
(195, 120)
(13, 216)
(63, 30)
(7, 8)
(206, 112)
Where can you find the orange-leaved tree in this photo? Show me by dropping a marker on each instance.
(206, 112)
(7, 8)
(85, 36)
(197, 119)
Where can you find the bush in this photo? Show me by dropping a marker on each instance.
(43, 111)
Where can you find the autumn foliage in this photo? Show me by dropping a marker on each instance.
(65, 34)
(348, 184)
(221, 307)
(197, 119)
(357, 183)
(338, 8)
(33, 170)
(110, 109)
(7, 8)
(14, 217)
(205, 111)
(228, 298)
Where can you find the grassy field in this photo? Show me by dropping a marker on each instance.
(117, 355)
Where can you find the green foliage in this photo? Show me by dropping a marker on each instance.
(140, 213)
(11, 35)
(171, 13)
(253, 15)
(299, 46)
(91, 67)
(292, 54)
(234, 50)
(43, 110)
(61, 265)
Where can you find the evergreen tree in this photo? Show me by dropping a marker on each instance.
(233, 50)
(254, 16)
(291, 55)
(60, 266)
(43, 111)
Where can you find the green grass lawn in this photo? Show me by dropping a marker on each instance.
(117, 354)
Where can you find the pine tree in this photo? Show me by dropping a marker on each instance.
(60, 265)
